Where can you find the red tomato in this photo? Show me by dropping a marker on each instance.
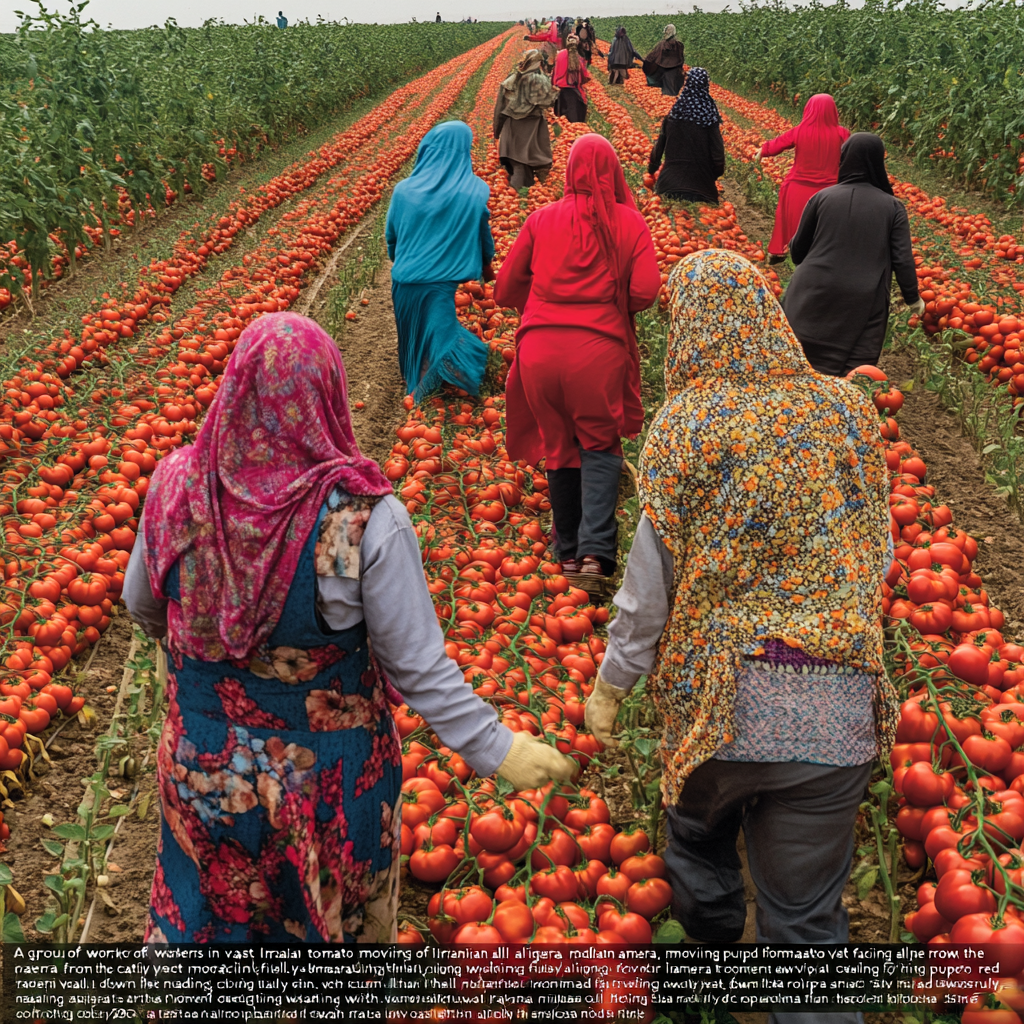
(478, 934)
(557, 883)
(644, 865)
(420, 799)
(513, 920)
(559, 848)
(956, 896)
(466, 905)
(627, 844)
(595, 841)
(1006, 940)
(434, 863)
(924, 787)
(498, 829)
(649, 897)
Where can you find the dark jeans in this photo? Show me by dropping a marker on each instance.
(583, 503)
(797, 820)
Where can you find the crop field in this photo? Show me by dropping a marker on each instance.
(109, 361)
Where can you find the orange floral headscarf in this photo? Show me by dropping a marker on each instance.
(767, 482)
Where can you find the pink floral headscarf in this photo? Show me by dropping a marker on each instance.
(237, 506)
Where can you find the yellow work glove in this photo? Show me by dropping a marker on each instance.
(531, 763)
(602, 709)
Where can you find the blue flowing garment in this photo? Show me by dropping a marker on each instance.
(438, 235)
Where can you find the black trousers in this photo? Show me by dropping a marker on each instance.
(583, 505)
(797, 820)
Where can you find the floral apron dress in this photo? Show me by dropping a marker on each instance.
(280, 777)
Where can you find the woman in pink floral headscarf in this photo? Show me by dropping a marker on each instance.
(272, 556)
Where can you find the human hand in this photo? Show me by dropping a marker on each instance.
(917, 307)
(531, 763)
(602, 709)
(488, 274)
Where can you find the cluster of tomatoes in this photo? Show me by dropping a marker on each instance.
(72, 487)
(545, 866)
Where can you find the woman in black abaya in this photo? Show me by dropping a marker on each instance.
(852, 238)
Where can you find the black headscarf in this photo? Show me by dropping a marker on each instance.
(862, 159)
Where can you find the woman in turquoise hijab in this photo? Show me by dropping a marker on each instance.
(439, 235)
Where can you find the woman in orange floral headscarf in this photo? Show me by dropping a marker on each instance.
(752, 600)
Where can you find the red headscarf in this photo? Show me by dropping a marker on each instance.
(237, 506)
(818, 135)
(594, 180)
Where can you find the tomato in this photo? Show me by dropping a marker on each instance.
(507, 892)
(586, 811)
(957, 896)
(478, 933)
(498, 829)
(978, 1013)
(587, 876)
(909, 819)
(595, 841)
(513, 920)
(557, 883)
(969, 663)
(992, 753)
(615, 884)
(420, 799)
(466, 905)
(916, 725)
(649, 897)
(927, 922)
(644, 865)
(434, 863)
(949, 859)
(442, 832)
(924, 787)
(556, 847)
(409, 936)
(1005, 938)
(634, 929)
(628, 843)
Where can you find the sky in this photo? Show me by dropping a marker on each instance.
(136, 14)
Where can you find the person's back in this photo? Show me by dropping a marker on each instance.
(282, 21)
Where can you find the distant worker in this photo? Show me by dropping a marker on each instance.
(571, 76)
(691, 145)
(437, 20)
(282, 21)
(663, 66)
(524, 143)
(852, 238)
(550, 33)
(620, 57)
(817, 140)
(438, 233)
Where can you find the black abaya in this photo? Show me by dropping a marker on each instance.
(852, 238)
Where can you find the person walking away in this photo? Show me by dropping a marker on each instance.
(663, 66)
(282, 21)
(752, 601)
(287, 586)
(816, 142)
(578, 272)
(621, 55)
(587, 42)
(524, 143)
(852, 238)
(438, 234)
(437, 20)
(690, 143)
(570, 77)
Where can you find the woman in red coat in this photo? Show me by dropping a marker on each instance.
(578, 272)
(817, 140)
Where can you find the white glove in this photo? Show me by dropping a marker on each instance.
(756, 158)
(532, 763)
(917, 307)
(602, 709)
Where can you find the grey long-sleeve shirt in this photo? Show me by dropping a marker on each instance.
(391, 595)
(643, 604)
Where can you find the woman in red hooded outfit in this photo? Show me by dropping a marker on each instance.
(817, 140)
(578, 272)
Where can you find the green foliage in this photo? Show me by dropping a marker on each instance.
(924, 77)
(85, 111)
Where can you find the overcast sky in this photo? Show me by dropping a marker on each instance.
(136, 14)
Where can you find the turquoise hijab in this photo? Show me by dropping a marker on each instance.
(438, 226)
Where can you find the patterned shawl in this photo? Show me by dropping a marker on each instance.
(767, 482)
(528, 89)
(238, 505)
(695, 103)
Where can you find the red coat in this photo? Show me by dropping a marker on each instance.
(817, 140)
(578, 271)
